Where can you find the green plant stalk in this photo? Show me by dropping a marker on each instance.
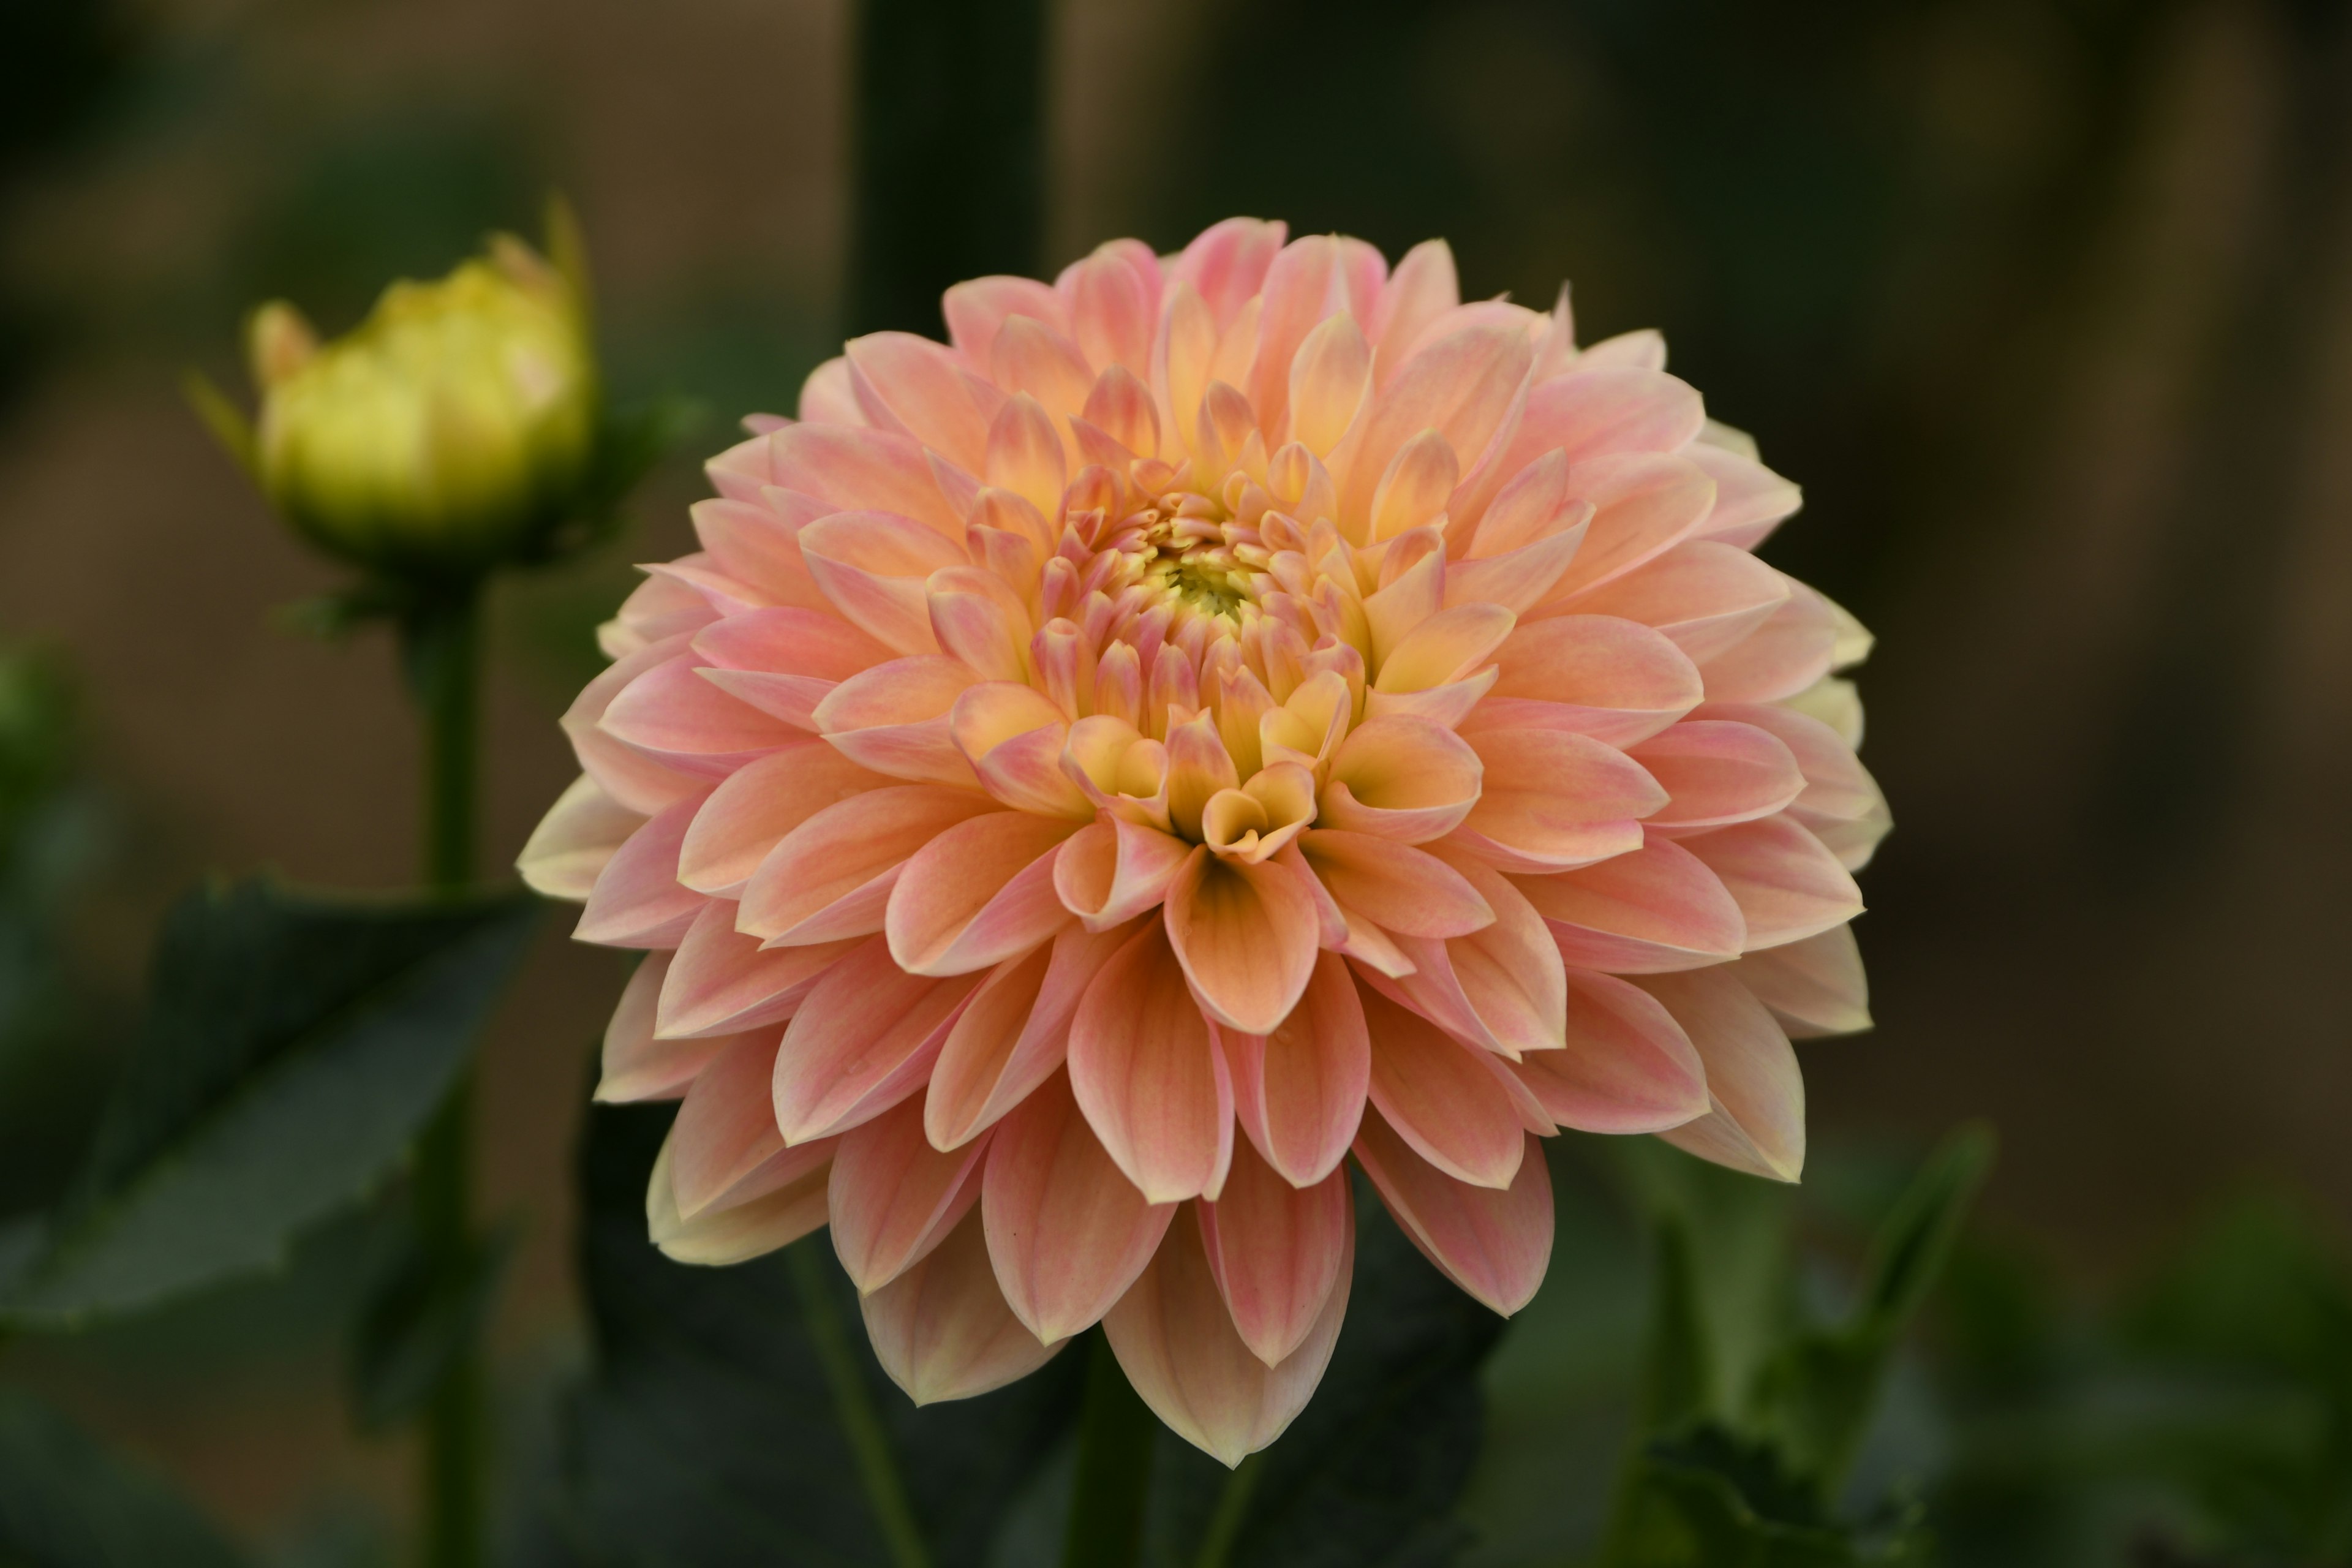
(853, 1404)
(1232, 1507)
(1115, 1433)
(441, 651)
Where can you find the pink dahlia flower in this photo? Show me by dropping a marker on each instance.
(1219, 713)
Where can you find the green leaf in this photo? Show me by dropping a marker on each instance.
(419, 1319)
(1369, 1474)
(293, 1046)
(709, 1437)
(1816, 1398)
(67, 1502)
(1709, 1499)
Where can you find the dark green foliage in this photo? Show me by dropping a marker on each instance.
(66, 1502)
(293, 1046)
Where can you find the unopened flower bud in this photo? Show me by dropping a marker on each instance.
(451, 430)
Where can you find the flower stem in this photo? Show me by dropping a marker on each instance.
(1232, 1507)
(853, 1403)
(1116, 1432)
(441, 651)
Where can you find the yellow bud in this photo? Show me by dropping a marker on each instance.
(451, 430)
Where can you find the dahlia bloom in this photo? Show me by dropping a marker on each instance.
(1219, 713)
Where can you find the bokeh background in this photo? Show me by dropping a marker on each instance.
(2047, 303)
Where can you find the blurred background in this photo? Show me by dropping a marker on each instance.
(2046, 303)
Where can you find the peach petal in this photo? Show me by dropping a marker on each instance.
(756, 547)
(1602, 412)
(1494, 1243)
(917, 387)
(1246, 935)
(978, 893)
(1032, 360)
(942, 1328)
(1628, 1067)
(831, 877)
(1014, 1034)
(1402, 778)
(1413, 488)
(1276, 1252)
(977, 311)
(977, 618)
(1459, 385)
(1756, 1122)
(627, 776)
(1150, 1081)
(751, 811)
(724, 1129)
(638, 900)
(1112, 311)
(779, 1204)
(575, 841)
(1814, 987)
(895, 1197)
(1298, 1093)
(873, 567)
(896, 718)
(638, 1064)
(672, 715)
(720, 982)
(1113, 869)
(1706, 597)
(1750, 499)
(1445, 647)
(826, 398)
(863, 1040)
(1787, 883)
(1180, 1350)
(1402, 888)
(1644, 505)
(1657, 909)
(1718, 773)
(1441, 1097)
(1329, 377)
(1508, 973)
(1025, 456)
(1554, 800)
(1790, 650)
(1066, 1231)
(1616, 680)
(1519, 580)
(870, 471)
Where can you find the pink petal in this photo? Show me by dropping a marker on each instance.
(638, 1063)
(1506, 978)
(1790, 650)
(1552, 800)
(1628, 1068)
(863, 1040)
(1148, 1077)
(979, 893)
(1593, 414)
(917, 387)
(1814, 987)
(895, 1197)
(873, 567)
(1300, 1092)
(1786, 884)
(758, 549)
(1014, 1033)
(861, 471)
(831, 877)
(978, 310)
(1113, 869)
(1180, 1351)
(724, 1129)
(1068, 1233)
(1227, 263)
(777, 1205)
(1617, 681)
(1246, 935)
(1718, 773)
(755, 807)
(826, 397)
(1422, 289)
(1403, 890)
(1757, 1120)
(1657, 909)
(575, 842)
(627, 776)
(896, 718)
(1459, 385)
(942, 1329)
(1495, 1244)
(1705, 596)
(1750, 499)
(637, 901)
(1441, 1097)
(1278, 1252)
(1400, 778)
(720, 982)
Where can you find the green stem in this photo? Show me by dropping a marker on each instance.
(1116, 1432)
(442, 650)
(1232, 1507)
(853, 1403)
